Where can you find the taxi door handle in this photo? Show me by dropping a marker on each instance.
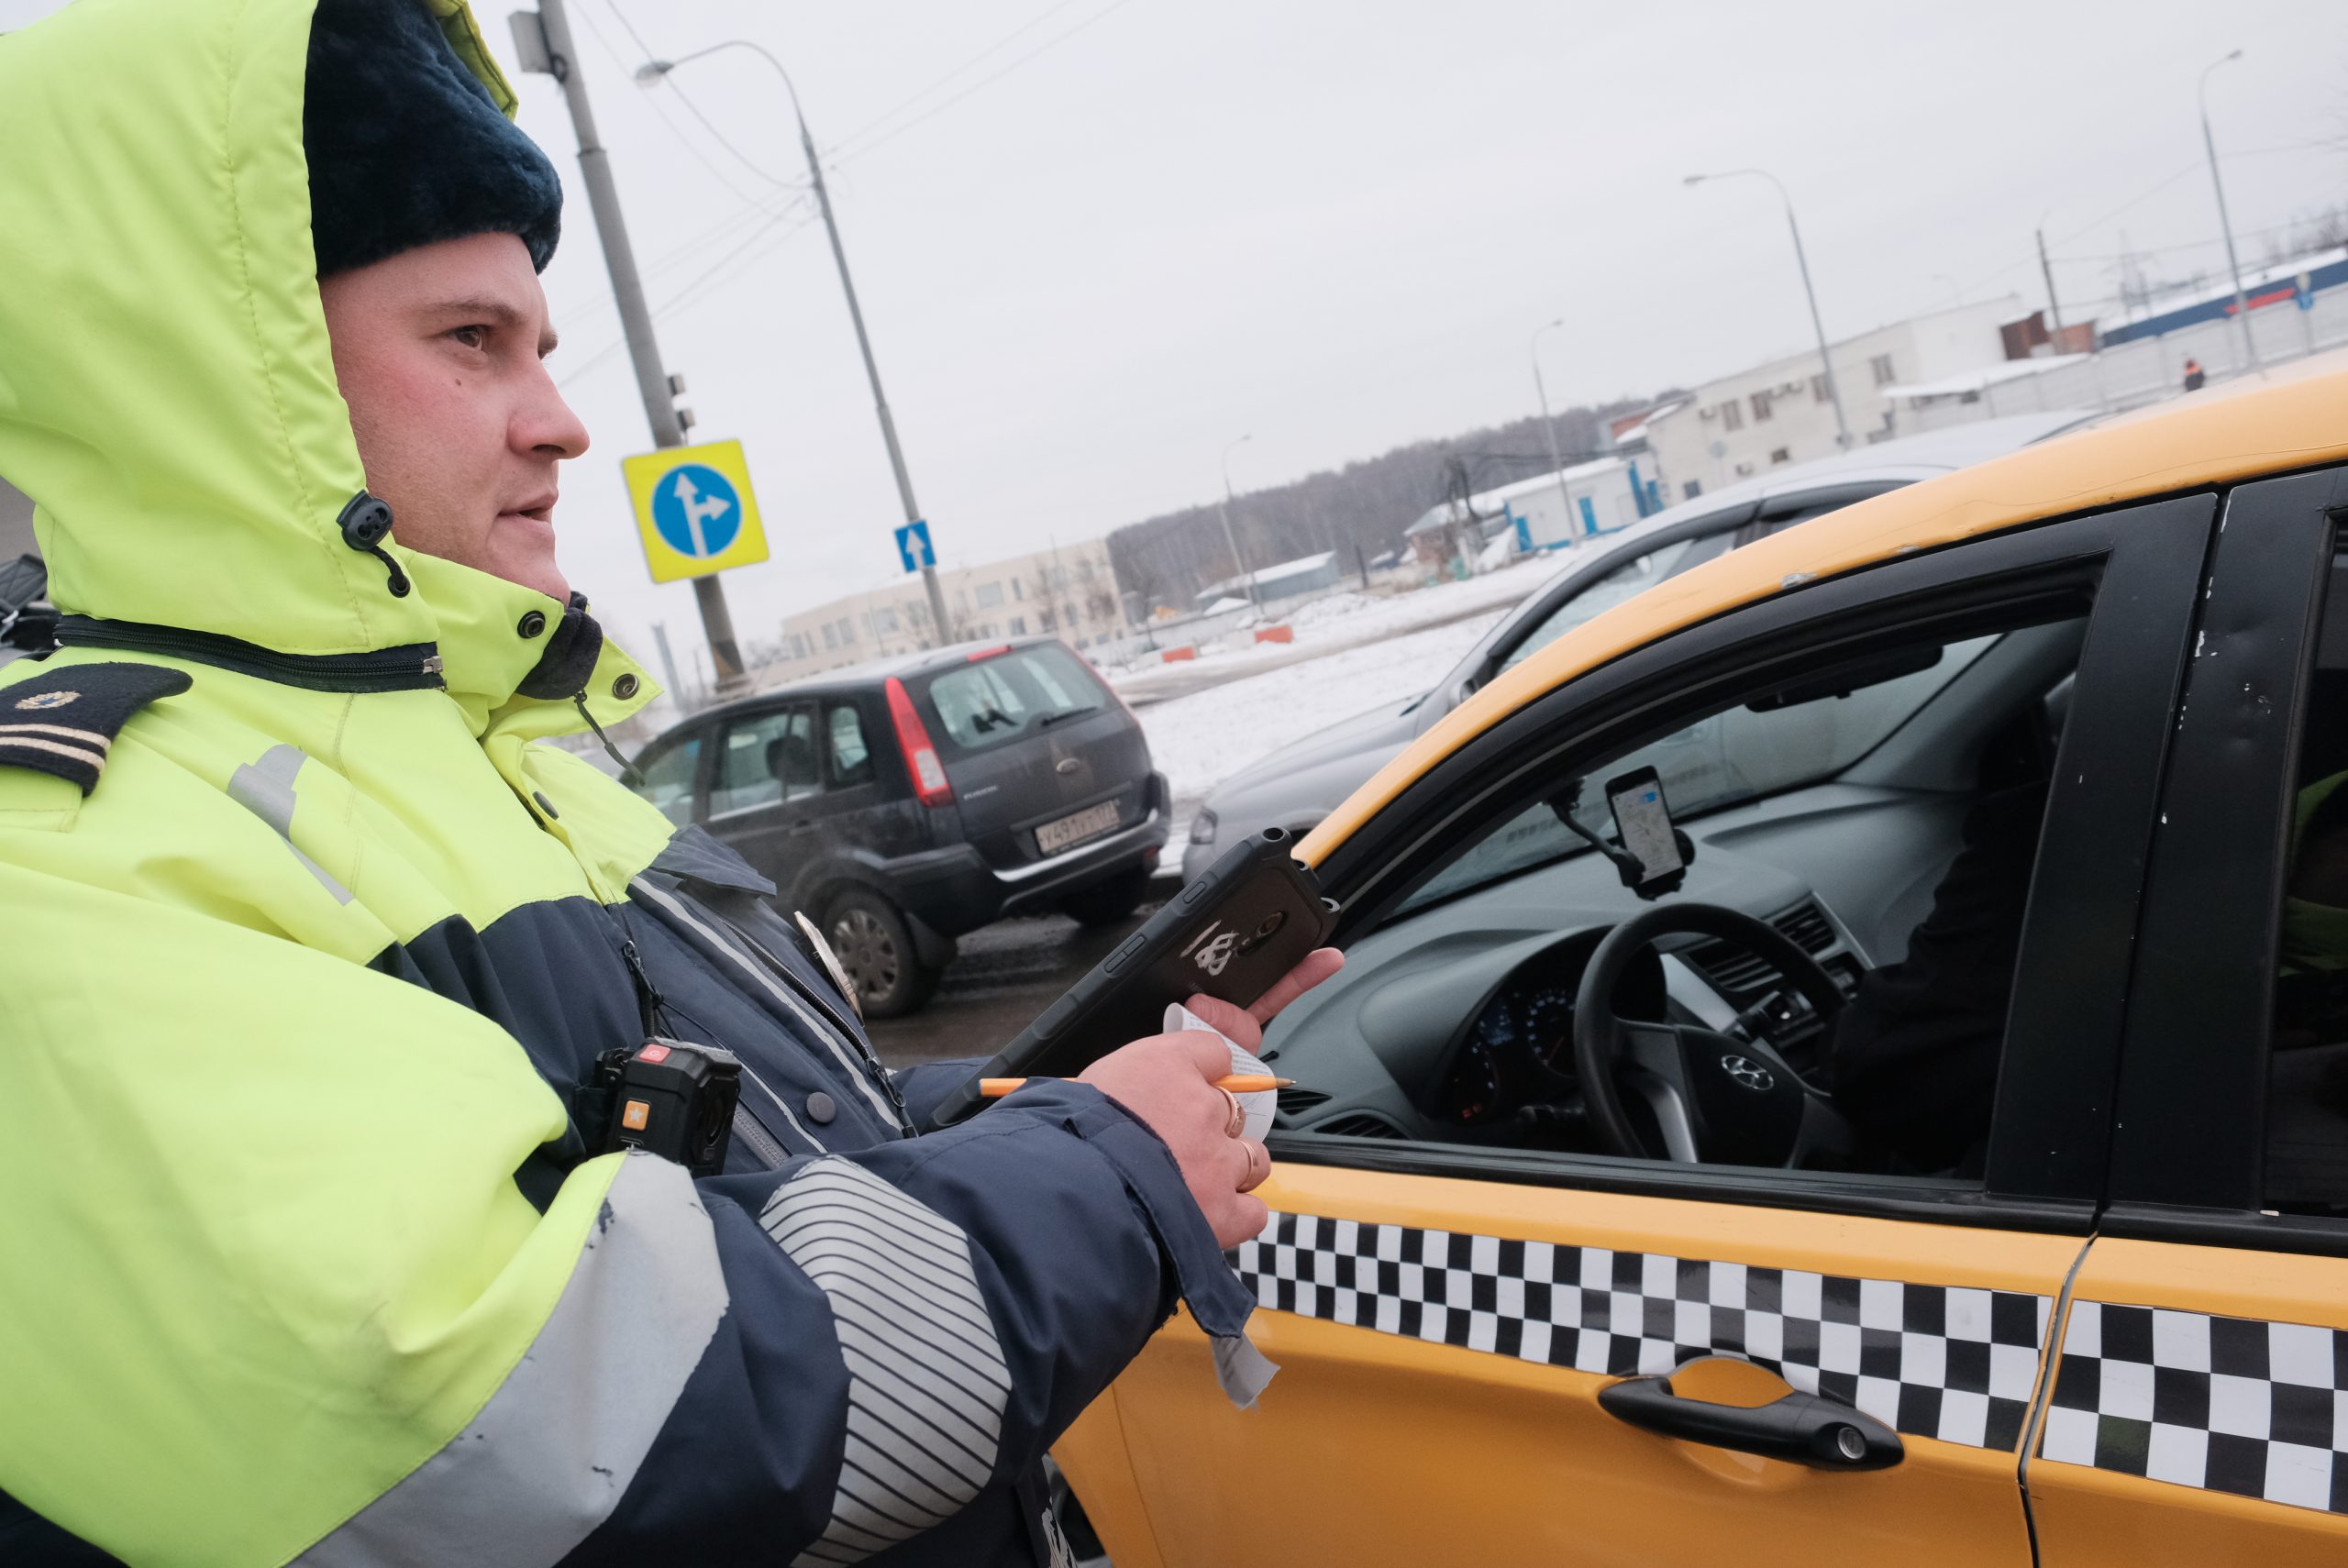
(1803, 1428)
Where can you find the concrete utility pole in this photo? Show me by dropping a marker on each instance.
(2047, 270)
(1833, 387)
(543, 40)
(668, 660)
(651, 72)
(1549, 429)
(2209, 143)
(1231, 540)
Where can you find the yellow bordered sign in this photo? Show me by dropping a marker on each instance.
(694, 510)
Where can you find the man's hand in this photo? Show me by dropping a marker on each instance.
(1168, 1082)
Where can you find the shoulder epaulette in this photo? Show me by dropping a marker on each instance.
(63, 721)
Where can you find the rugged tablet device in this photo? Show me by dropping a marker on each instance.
(1231, 933)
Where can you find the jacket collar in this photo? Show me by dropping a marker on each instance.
(495, 637)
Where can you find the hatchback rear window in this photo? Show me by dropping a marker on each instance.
(1022, 692)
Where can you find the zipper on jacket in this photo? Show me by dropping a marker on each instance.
(409, 667)
(754, 958)
(854, 1036)
(649, 1000)
(767, 1145)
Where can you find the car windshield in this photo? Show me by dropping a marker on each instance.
(988, 702)
(1720, 760)
(1633, 577)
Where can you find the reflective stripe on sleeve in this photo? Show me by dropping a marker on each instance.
(547, 1458)
(266, 790)
(926, 1380)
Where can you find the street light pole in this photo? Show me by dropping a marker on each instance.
(1231, 540)
(651, 72)
(1834, 386)
(2210, 144)
(1550, 428)
(635, 318)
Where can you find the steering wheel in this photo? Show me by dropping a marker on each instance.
(1714, 1096)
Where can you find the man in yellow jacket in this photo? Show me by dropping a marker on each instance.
(304, 946)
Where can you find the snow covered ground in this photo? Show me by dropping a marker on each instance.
(1345, 619)
(1201, 740)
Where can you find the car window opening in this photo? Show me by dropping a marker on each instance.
(1881, 812)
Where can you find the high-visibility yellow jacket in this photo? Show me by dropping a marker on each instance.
(302, 942)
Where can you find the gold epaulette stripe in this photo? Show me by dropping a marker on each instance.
(84, 737)
(33, 742)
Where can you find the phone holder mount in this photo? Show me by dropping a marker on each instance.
(1626, 865)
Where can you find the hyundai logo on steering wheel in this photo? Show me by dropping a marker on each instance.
(1749, 1074)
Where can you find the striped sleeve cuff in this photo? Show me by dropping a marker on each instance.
(928, 1383)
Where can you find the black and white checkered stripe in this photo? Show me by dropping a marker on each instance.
(2232, 1404)
(1954, 1363)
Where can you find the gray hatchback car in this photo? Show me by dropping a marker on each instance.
(903, 802)
(1304, 781)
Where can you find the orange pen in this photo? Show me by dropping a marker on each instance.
(1237, 1083)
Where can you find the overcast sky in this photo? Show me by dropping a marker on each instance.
(1333, 224)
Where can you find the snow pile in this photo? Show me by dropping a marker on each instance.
(1201, 740)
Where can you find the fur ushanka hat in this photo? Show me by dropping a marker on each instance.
(405, 147)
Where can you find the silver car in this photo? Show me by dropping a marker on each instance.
(1304, 781)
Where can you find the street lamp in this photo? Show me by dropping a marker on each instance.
(650, 72)
(1833, 388)
(1550, 428)
(1230, 540)
(2241, 303)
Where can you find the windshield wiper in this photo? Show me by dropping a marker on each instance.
(1049, 719)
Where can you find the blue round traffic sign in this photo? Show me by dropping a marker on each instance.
(696, 510)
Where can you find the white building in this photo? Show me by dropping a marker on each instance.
(1548, 509)
(1780, 413)
(1285, 579)
(1071, 590)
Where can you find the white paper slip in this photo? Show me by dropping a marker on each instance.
(1258, 1105)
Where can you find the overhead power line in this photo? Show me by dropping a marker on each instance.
(700, 283)
(940, 107)
(646, 52)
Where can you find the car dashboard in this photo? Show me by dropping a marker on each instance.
(1456, 1024)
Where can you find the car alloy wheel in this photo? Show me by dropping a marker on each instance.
(867, 951)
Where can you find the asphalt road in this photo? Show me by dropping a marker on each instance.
(1003, 976)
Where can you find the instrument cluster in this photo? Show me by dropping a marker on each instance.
(1518, 1052)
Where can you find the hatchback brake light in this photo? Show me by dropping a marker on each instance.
(922, 766)
(978, 653)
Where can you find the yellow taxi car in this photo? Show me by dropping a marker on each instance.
(1843, 1057)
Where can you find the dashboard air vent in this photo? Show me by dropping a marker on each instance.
(1807, 927)
(1296, 1098)
(1742, 976)
(1360, 1124)
(1737, 973)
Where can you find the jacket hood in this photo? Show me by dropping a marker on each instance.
(167, 390)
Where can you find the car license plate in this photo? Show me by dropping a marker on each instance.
(1087, 823)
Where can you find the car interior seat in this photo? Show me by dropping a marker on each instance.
(790, 758)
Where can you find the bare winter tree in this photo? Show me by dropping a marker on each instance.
(1170, 558)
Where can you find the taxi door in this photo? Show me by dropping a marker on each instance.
(1454, 1325)
(2198, 1411)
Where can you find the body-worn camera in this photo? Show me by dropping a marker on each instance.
(669, 1098)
